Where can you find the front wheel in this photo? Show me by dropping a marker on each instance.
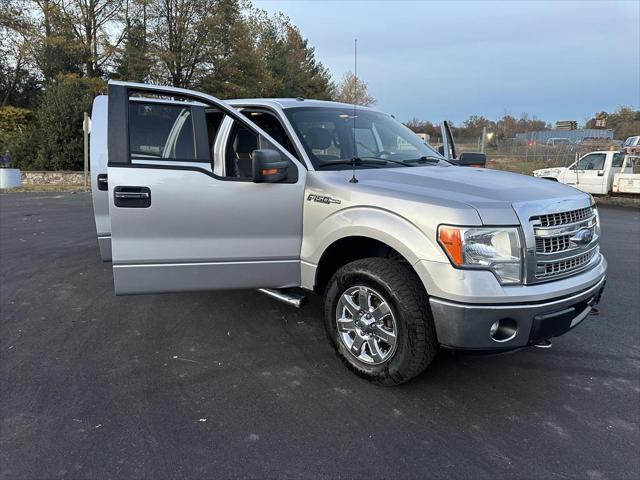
(377, 316)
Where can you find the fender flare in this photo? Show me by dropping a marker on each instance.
(372, 222)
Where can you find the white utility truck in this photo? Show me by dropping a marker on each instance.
(599, 173)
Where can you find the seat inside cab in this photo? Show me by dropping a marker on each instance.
(243, 142)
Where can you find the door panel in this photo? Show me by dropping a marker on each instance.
(570, 177)
(197, 230)
(590, 173)
(99, 177)
(203, 233)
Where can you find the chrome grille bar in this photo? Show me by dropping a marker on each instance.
(559, 251)
(553, 244)
(567, 266)
(553, 219)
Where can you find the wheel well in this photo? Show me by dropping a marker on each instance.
(347, 250)
(550, 178)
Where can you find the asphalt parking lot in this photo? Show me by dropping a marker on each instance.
(235, 384)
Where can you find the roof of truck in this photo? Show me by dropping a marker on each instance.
(291, 103)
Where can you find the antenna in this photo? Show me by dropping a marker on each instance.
(354, 159)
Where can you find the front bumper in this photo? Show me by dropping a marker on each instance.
(467, 326)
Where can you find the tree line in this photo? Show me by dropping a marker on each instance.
(56, 55)
(625, 122)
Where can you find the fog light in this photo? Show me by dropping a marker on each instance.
(503, 330)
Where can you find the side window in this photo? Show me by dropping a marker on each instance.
(270, 124)
(618, 160)
(161, 132)
(594, 161)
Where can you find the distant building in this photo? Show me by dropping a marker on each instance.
(567, 125)
(424, 136)
(573, 135)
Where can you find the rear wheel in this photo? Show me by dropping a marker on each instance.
(377, 316)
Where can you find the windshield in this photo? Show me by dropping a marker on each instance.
(631, 141)
(327, 135)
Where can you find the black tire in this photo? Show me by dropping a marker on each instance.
(416, 344)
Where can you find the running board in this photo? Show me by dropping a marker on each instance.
(288, 296)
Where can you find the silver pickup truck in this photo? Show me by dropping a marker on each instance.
(408, 250)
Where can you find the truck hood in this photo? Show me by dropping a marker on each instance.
(491, 193)
(549, 172)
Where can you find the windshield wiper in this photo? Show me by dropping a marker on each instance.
(388, 160)
(367, 161)
(354, 161)
(425, 160)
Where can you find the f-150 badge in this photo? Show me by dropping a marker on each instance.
(322, 199)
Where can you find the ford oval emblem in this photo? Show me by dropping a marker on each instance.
(582, 237)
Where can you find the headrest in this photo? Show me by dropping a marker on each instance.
(318, 138)
(245, 141)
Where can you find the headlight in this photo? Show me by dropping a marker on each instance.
(495, 249)
(597, 214)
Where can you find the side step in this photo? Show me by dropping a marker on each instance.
(289, 296)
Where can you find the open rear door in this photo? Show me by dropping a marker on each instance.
(176, 224)
(448, 145)
(98, 165)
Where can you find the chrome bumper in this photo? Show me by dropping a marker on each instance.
(467, 326)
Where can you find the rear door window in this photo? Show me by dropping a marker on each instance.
(161, 132)
(618, 159)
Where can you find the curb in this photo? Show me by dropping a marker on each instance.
(628, 202)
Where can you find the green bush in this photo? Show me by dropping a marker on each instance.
(59, 121)
(16, 135)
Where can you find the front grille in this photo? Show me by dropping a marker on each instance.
(555, 219)
(559, 248)
(574, 264)
(553, 244)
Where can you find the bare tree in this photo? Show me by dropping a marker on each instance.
(353, 90)
(91, 21)
(179, 33)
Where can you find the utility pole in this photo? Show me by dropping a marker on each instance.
(484, 137)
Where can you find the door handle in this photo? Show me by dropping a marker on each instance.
(103, 183)
(138, 195)
(132, 197)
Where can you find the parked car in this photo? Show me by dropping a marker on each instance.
(408, 251)
(555, 142)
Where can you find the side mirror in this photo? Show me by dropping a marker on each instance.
(441, 150)
(268, 166)
(472, 159)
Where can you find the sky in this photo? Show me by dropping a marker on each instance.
(558, 60)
